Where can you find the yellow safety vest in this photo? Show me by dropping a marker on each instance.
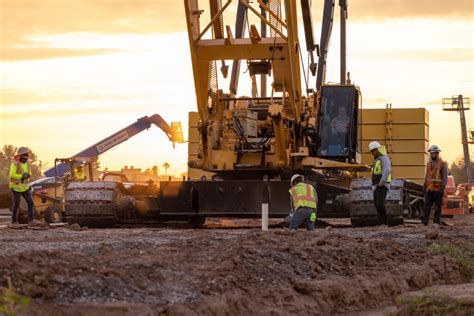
(377, 170)
(17, 169)
(80, 175)
(302, 195)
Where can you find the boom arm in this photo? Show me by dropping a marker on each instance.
(328, 16)
(174, 133)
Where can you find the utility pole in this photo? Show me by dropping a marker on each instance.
(460, 104)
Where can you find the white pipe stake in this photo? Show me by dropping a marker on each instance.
(265, 216)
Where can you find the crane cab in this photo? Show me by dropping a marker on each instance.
(337, 136)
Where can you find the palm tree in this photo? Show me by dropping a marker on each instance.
(166, 166)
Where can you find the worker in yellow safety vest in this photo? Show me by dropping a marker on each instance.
(381, 178)
(304, 201)
(80, 174)
(20, 174)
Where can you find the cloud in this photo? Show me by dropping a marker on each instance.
(21, 19)
(29, 53)
(433, 55)
(387, 9)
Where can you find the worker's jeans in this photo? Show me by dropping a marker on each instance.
(436, 198)
(380, 194)
(16, 204)
(300, 216)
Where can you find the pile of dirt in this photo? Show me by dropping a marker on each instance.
(437, 300)
(5, 196)
(224, 271)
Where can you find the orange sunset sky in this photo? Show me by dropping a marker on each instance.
(75, 71)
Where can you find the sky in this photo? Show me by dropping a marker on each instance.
(74, 72)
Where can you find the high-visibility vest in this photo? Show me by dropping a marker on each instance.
(434, 176)
(17, 169)
(302, 195)
(80, 175)
(377, 172)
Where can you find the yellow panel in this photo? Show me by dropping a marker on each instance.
(193, 148)
(193, 135)
(410, 131)
(195, 174)
(408, 172)
(223, 159)
(242, 48)
(400, 146)
(193, 119)
(320, 163)
(398, 116)
(401, 159)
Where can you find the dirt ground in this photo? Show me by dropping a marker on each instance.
(228, 271)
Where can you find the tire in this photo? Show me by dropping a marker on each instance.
(53, 214)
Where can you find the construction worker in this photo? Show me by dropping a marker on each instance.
(20, 174)
(435, 182)
(381, 177)
(303, 203)
(79, 173)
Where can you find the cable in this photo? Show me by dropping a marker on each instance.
(302, 66)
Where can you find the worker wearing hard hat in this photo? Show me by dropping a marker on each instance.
(79, 173)
(435, 182)
(20, 174)
(303, 203)
(381, 177)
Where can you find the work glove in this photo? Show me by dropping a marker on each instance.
(25, 176)
(374, 187)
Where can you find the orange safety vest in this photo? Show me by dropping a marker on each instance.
(434, 176)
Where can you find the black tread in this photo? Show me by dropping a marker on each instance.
(363, 221)
(93, 221)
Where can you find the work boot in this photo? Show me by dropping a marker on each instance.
(34, 222)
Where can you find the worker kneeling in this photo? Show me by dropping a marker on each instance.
(303, 203)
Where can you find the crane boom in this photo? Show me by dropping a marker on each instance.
(173, 132)
(326, 28)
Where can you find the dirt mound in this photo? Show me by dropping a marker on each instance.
(437, 300)
(5, 196)
(185, 272)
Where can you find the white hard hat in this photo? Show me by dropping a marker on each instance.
(296, 176)
(23, 150)
(434, 149)
(374, 145)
